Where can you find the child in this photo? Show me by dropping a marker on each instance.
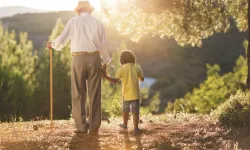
(129, 74)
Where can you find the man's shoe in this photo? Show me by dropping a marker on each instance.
(94, 132)
(84, 130)
(80, 131)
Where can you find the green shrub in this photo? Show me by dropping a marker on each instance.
(235, 111)
(213, 91)
(13, 96)
(154, 106)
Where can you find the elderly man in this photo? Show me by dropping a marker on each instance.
(89, 52)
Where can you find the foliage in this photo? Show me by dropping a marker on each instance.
(235, 111)
(13, 96)
(188, 22)
(214, 90)
(17, 67)
(61, 81)
(154, 106)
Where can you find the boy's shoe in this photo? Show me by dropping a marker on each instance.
(123, 126)
(137, 130)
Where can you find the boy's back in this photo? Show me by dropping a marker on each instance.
(129, 74)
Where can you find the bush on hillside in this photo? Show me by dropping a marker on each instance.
(214, 90)
(13, 96)
(154, 106)
(235, 111)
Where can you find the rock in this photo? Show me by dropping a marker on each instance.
(35, 127)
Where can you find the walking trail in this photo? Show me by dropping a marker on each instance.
(164, 132)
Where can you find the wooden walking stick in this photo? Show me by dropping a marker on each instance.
(51, 89)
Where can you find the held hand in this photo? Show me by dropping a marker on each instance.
(103, 73)
(104, 68)
(49, 45)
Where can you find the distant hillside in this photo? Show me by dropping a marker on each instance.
(177, 69)
(13, 10)
(39, 25)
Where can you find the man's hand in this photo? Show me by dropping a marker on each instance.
(104, 68)
(48, 45)
(103, 73)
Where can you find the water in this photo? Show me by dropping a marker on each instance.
(148, 82)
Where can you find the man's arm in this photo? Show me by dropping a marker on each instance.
(104, 46)
(62, 40)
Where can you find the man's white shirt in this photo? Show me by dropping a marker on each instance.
(86, 34)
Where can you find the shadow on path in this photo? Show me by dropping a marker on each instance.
(129, 144)
(84, 141)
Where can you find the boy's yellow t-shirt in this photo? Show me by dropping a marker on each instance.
(129, 74)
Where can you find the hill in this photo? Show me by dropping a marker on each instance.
(171, 132)
(177, 69)
(13, 10)
(37, 25)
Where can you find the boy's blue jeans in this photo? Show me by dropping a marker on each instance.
(131, 106)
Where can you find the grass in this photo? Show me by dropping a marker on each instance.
(169, 131)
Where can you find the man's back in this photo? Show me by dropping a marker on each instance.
(86, 33)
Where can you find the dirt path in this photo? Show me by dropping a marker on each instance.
(165, 132)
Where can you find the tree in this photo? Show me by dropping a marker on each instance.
(186, 21)
(248, 49)
(17, 63)
(61, 81)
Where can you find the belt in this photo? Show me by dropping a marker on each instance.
(84, 53)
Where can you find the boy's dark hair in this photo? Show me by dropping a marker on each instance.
(127, 57)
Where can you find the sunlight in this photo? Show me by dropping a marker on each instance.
(95, 4)
(111, 2)
(108, 4)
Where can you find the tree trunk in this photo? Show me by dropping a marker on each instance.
(248, 48)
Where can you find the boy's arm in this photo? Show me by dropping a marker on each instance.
(140, 74)
(110, 79)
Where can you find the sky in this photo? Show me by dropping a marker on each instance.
(48, 4)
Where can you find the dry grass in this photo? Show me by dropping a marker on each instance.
(181, 131)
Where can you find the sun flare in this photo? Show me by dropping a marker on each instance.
(108, 4)
(97, 4)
